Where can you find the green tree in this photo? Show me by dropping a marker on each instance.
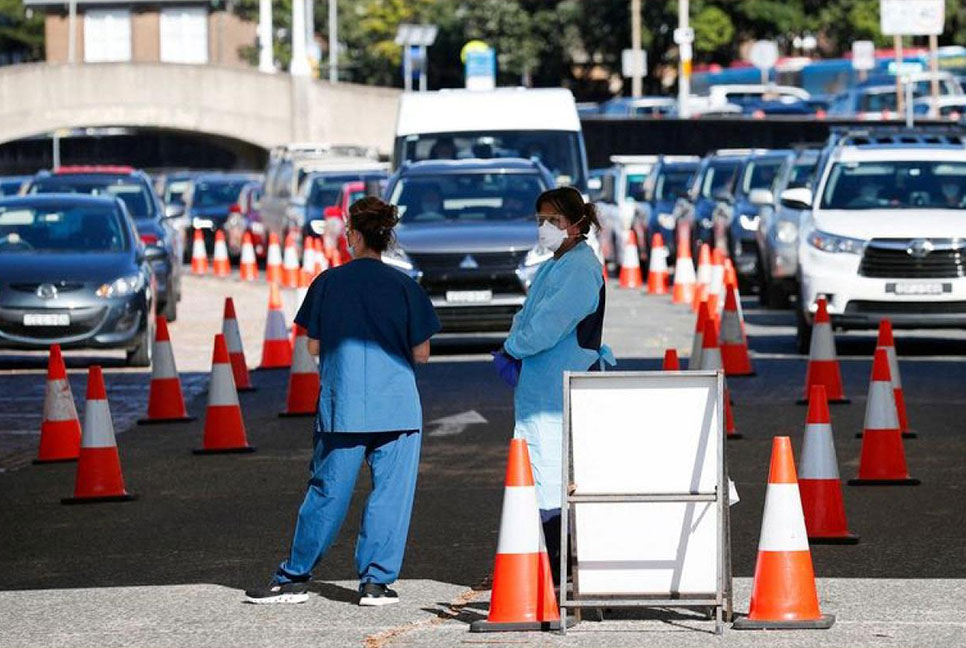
(713, 33)
(21, 37)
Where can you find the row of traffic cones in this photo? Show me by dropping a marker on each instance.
(283, 269)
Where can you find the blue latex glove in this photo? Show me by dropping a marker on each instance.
(507, 366)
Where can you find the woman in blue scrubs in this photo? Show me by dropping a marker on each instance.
(558, 329)
(370, 325)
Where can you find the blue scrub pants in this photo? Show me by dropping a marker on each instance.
(393, 459)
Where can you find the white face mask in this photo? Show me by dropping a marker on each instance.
(550, 236)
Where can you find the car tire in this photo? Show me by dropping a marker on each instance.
(773, 295)
(803, 330)
(140, 356)
(170, 310)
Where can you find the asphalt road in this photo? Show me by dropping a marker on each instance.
(169, 568)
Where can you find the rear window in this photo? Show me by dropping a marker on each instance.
(60, 228)
(134, 193)
(216, 193)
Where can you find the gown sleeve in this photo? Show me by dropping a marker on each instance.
(423, 322)
(569, 300)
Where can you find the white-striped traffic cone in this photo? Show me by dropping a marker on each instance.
(276, 348)
(703, 275)
(273, 260)
(199, 254)
(823, 364)
(303, 380)
(224, 426)
(248, 264)
(236, 351)
(716, 284)
(99, 477)
(290, 262)
(630, 272)
(220, 265)
(697, 342)
(60, 431)
(783, 596)
(684, 277)
(165, 398)
(734, 343)
(711, 361)
(887, 342)
(657, 270)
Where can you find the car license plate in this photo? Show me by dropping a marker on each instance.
(46, 319)
(469, 296)
(919, 288)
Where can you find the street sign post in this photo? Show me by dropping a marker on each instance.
(633, 63)
(479, 61)
(764, 55)
(863, 55)
(912, 17)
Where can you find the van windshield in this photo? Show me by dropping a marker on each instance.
(559, 151)
(467, 197)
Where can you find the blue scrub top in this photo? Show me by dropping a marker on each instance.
(367, 318)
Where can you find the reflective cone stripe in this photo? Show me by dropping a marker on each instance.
(199, 254)
(248, 266)
(783, 594)
(290, 263)
(697, 342)
(684, 277)
(630, 273)
(165, 398)
(303, 381)
(671, 362)
(818, 482)
(308, 262)
(60, 430)
(657, 272)
(276, 348)
(711, 361)
(886, 341)
(883, 459)
(99, 475)
(823, 365)
(731, 280)
(220, 265)
(236, 351)
(523, 595)
(716, 283)
(273, 260)
(703, 276)
(734, 344)
(224, 427)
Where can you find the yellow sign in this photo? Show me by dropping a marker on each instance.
(473, 46)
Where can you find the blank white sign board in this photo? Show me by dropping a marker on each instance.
(646, 434)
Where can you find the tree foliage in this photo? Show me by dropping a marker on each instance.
(21, 37)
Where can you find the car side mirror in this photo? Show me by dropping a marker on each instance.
(798, 198)
(607, 188)
(173, 211)
(761, 197)
(332, 212)
(153, 253)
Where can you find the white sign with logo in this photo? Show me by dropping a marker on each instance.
(763, 54)
(632, 65)
(912, 17)
(863, 55)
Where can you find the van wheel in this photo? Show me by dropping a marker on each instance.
(803, 330)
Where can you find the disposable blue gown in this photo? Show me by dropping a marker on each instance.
(544, 336)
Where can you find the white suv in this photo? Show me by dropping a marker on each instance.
(886, 235)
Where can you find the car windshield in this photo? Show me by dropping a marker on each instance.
(131, 191)
(326, 189)
(635, 186)
(216, 193)
(879, 101)
(759, 174)
(717, 177)
(467, 197)
(896, 185)
(559, 151)
(672, 183)
(60, 228)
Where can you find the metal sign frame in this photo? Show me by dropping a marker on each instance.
(720, 602)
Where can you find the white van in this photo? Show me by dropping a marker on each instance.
(524, 123)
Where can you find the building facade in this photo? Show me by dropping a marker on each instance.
(166, 31)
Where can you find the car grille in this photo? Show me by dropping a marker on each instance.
(496, 271)
(476, 318)
(83, 321)
(860, 307)
(62, 286)
(890, 258)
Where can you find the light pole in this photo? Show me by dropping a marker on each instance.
(72, 32)
(684, 36)
(334, 41)
(636, 77)
(266, 59)
(300, 64)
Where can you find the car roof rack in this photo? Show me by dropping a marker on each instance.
(921, 135)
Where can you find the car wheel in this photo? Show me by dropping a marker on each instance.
(140, 356)
(170, 310)
(803, 330)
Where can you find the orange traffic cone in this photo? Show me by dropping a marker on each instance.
(819, 477)
(731, 279)
(165, 399)
(883, 459)
(697, 343)
(303, 380)
(734, 344)
(703, 277)
(248, 265)
(711, 361)
(783, 596)
(630, 275)
(684, 278)
(716, 284)
(321, 262)
(60, 431)
(306, 273)
(199, 254)
(273, 260)
(671, 362)
(99, 477)
(290, 263)
(657, 272)
(823, 365)
(224, 427)
(220, 264)
(886, 341)
(523, 596)
(276, 349)
(236, 351)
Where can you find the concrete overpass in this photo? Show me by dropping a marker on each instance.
(245, 105)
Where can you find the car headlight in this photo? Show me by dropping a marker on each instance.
(665, 220)
(836, 244)
(397, 258)
(536, 256)
(786, 231)
(748, 221)
(121, 287)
